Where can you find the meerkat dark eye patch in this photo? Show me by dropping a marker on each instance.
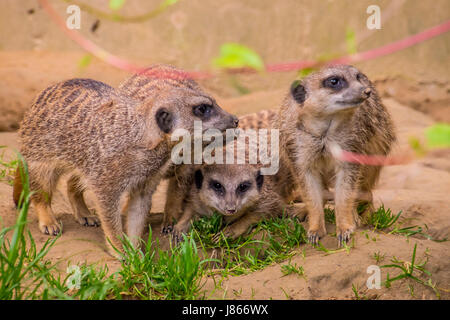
(217, 187)
(298, 91)
(203, 111)
(362, 78)
(198, 178)
(243, 187)
(164, 120)
(335, 82)
(259, 180)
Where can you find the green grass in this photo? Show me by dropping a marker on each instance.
(23, 271)
(330, 216)
(289, 268)
(7, 168)
(410, 270)
(382, 218)
(271, 241)
(157, 274)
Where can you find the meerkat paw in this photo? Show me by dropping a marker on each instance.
(315, 235)
(167, 228)
(177, 236)
(344, 234)
(91, 221)
(52, 229)
(227, 232)
(297, 210)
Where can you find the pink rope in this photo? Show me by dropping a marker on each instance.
(342, 155)
(278, 67)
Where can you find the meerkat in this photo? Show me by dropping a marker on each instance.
(239, 192)
(336, 106)
(116, 146)
(180, 184)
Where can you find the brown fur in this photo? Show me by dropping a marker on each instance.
(240, 210)
(116, 146)
(185, 202)
(315, 117)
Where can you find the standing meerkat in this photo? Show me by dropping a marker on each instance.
(336, 106)
(116, 146)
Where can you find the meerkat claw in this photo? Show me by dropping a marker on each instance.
(343, 238)
(90, 222)
(313, 239)
(167, 229)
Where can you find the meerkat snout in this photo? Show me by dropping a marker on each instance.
(366, 92)
(235, 121)
(227, 189)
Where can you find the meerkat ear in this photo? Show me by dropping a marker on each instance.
(198, 178)
(259, 179)
(298, 91)
(164, 119)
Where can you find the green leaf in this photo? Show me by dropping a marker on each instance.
(85, 61)
(167, 3)
(350, 39)
(233, 55)
(116, 4)
(438, 135)
(305, 71)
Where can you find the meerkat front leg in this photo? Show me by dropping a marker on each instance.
(296, 210)
(182, 226)
(346, 192)
(312, 195)
(240, 226)
(79, 208)
(139, 205)
(174, 205)
(108, 210)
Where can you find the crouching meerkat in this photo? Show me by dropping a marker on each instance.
(239, 192)
(336, 106)
(116, 146)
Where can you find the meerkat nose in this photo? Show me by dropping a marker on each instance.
(367, 91)
(231, 210)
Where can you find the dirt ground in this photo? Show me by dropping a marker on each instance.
(419, 189)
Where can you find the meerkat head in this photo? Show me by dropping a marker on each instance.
(171, 101)
(330, 91)
(228, 189)
(178, 108)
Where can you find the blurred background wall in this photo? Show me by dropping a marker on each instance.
(34, 52)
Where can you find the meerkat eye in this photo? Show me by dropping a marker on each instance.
(335, 83)
(243, 187)
(202, 110)
(217, 186)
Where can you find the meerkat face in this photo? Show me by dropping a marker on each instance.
(228, 191)
(331, 90)
(178, 108)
